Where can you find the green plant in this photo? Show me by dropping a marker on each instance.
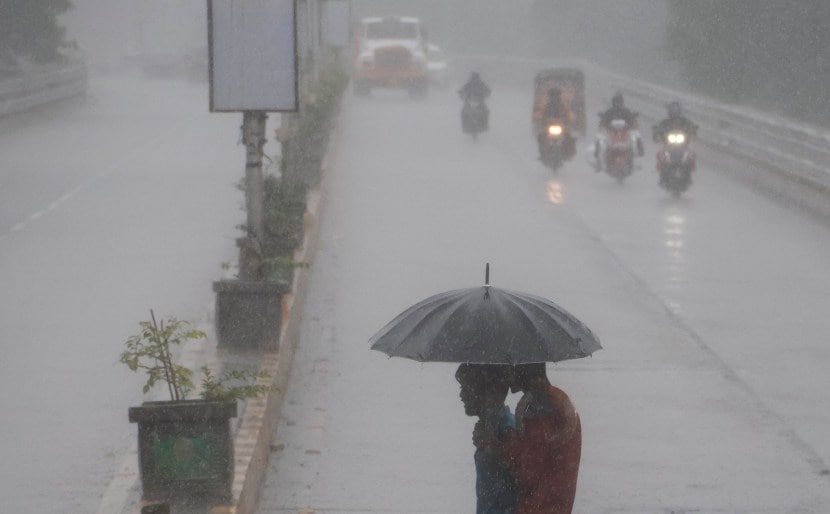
(314, 123)
(283, 205)
(326, 94)
(281, 268)
(152, 351)
(245, 386)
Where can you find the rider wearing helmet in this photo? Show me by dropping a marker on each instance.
(476, 87)
(674, 121)
(618, 111)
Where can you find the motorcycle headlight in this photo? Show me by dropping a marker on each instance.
(555, 130)
(677, 138)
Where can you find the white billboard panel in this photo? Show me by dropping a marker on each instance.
(253, 55)
(337, 22)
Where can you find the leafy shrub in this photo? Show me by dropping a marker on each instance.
(283, 205)
(152, 351)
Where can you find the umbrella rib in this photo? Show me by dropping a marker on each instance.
(513, 302)
(435, 311)
(565, 322)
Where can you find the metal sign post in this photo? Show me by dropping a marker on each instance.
(253, 136)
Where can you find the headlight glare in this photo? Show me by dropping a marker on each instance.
(677, 138)
(554, 130)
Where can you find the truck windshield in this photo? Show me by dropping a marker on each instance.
(392, 29)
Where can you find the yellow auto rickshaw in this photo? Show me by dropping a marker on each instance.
(571, 83)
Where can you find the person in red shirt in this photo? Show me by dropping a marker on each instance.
(544, 450)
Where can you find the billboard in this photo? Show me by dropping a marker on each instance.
(252, 48)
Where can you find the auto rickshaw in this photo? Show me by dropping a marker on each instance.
(555, 133)
(571, 81)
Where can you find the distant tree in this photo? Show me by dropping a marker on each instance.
(29, 29)
(773, 53)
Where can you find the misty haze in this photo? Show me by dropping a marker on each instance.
(658, 169)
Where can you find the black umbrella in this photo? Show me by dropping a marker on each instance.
(486, 325)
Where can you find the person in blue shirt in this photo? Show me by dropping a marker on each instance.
(484, 389)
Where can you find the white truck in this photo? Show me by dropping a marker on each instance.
(390, 52)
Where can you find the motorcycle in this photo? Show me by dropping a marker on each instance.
(474, 116)
(619, 150)
(556, 144)
(675, 163)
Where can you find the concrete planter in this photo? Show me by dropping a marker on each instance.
(249, 313)
(185, 450)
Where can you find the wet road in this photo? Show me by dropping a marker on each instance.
(108, 208)
(709, 394)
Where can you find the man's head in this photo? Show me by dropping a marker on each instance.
(617, 101)
(675, 110)
(528, 376)
(483, 387)
(474, 76)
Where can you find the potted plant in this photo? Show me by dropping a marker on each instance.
(185, 446)
(249, 307)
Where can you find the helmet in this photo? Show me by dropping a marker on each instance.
(617, 101)
(674, 109)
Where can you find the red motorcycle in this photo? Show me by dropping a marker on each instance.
(619, 150)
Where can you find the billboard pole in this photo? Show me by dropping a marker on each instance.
(253, 137)
(253, 69)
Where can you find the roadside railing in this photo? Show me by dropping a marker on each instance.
(41, 87)
(795, 150)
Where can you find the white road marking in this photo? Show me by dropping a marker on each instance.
(77, 189)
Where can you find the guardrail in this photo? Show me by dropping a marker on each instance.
(799, 152)
(37, 88)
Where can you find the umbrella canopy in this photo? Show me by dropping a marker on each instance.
(486, 325)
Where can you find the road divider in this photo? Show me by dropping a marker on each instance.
(41, 87)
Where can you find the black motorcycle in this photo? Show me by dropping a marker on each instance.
(556, 144)
(474, 116)
(675, 163)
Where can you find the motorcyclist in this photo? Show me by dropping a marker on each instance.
(478, 89)
(674, 121)
(555, 109)
(617, 111)
(475, 87)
